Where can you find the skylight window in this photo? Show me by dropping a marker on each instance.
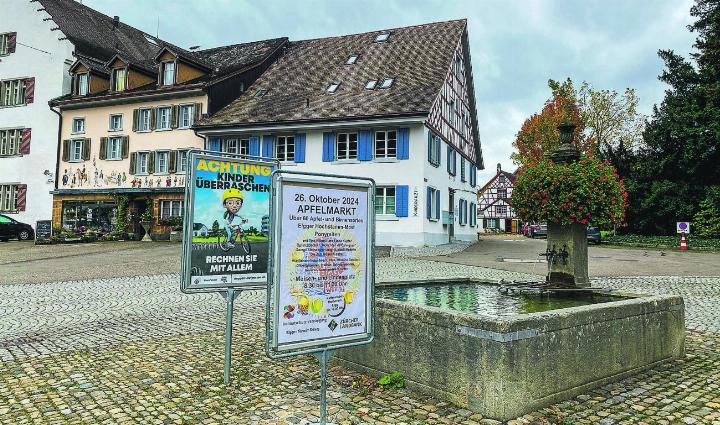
(351, 60)
(151, 40)
(260, 93)
(371, 84)
(382, 37)
(332, 88)
(387, 83)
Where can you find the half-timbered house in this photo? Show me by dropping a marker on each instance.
(397, 105)
(495, 204)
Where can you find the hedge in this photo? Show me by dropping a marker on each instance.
(663, 241)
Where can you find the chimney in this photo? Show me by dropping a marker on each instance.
(116, 21)
(499, 169)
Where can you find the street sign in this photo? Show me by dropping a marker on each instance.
(323, 274)
(322, 269)
(683, 227)
(226, 198)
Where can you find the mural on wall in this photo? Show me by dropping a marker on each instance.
(82, 177)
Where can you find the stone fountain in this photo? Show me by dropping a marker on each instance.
(567, 247)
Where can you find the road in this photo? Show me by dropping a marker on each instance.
(603, 261)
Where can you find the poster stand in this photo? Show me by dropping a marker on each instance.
(349, 265)
(228, 290)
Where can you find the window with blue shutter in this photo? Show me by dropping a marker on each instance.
(214, 144)
(437, 205)
(254, 146)
(473, 214)
(299, 147)
(473, 175)
(401, 201)
(267, 146)
(428, 203)
(452, 161)
(403, 144)
(328, 146)
(365, 145)
(462, 168)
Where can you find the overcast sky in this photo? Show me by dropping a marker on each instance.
(516, 46)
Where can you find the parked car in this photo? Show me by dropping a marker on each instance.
(535, 230)
(13, 229)
(593, 235)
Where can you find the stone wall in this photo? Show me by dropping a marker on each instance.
(506, 367)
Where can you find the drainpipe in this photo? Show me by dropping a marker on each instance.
(59, 144)
(57, 154)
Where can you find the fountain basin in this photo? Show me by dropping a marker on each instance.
(504, 366)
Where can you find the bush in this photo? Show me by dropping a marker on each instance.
(694, 242)
(586, 191)
(393, 380)
(707, 219)
(174, 222)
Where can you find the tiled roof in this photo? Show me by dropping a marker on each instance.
(95, 35)
(97, 40)
(227, 59)
(417, 57)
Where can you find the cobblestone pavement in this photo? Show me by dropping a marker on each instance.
(136, 350)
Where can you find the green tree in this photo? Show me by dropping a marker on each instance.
(681, 151)
(215, 229)
(610, 119)
(707, 219)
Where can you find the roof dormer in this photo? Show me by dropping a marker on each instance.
(125, 75)
(177, 67)
(88, 77)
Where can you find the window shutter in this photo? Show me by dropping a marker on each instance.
(300, 147)
(214, 144)
(267, 146)
(403, 144)
(86, 149)
(133, 161)
(153, 118)
(430, 147)
(136, 117)
(254, 148)
(174, 116)
(125, 147)
(25, 141)
(12, 41)
(401, 201)
(30, 90)
(103, 148)
(462, 168)
(198, 111)
(473, 214)
(428, 203)
(365, 145)
(21, 197)
(172, 162)
(449, 159)
(66, 150)
(437, 204)
(328, 146)
(151, 162)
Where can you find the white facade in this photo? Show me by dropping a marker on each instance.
(39, 54)
(415, 172)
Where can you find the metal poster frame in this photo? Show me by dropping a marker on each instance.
(279, 179)
(185, 264)
(228, 292)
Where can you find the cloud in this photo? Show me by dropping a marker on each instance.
(516, 46)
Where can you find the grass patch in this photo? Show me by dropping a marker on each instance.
(251, 238)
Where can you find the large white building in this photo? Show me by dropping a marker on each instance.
(34, 60)
(395, 105)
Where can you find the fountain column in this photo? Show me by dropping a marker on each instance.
(567, 243)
